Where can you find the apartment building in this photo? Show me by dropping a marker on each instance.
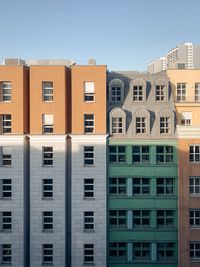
(88, 166)
(186, 91)
(142, 171)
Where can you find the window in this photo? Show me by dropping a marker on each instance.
(88, 253)
(5, 188)
(141, 186)
(141, 251)
(140, 154)
(47, 220)
(116, 93)
(165, 251)
(6, 91)
(195, 185)
(195, 153)
(195, 218)
(47, 253)
(47, 188)
(165, 218)
(88, 188)
(197, 91)
(88, 91)
(6, 254)
(117, 251)
(165, 125)
(117, 218)
(117, 154)
(47, 156)
(165, 186)
(47, 120)
(89, 220)
(194, 251)
(89, 123)
(88, 155)
(6, 123)
(117, 186)
(141, 125)
(164, 154)
(6, 156)
(186, 118)
(117, 125)
(160, 92)
(181, 92)
(138, 93)
(47, 88)
(6, 217)
(141, 218)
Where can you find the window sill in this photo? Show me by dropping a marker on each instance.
(47, 231)
(47, 198)
(88, 264)
(89, 231)
(47, 264)
(48, 166)
(90, 166)
(89, 198)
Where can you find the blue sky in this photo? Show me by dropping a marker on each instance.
(123, 34)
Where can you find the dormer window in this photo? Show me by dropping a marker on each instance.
(139, 90)
(166, 122)
(117, 121)
(141, 122)
(116, 91)
(186, 118)
(141, 125)
(161, 90)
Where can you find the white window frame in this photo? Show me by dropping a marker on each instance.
(6, 89)
(6, 123)
(141, 125)
(116, 93)
(160, 93)
(165, 125)
(181, 92)
(117, 125)
(89, 160)
(186, 118)
(194, 185)
(6, 253)
(197, 92)
(47, 160)
(6, 217)
(47, 96)
(45, 188)
(88, 217)
(88, 191)
(138, 93)
(195, 251)
(47, 221)
(47, 248)
(89, 123)
(89, 91)
(195, 217)
(6, 156)
(89, 248)
(194, 155)
(5, 188)
(47, 123)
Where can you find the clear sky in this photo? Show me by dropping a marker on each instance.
(123, 34)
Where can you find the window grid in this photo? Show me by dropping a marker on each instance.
(197, 91)
(117, 218)
(117, 125)
(165, 125)
(48, 221)
(141, 186)
(165, 218)
(141, 125)
(194, 251)
(88, 188)
(6, 188)
(181, 92)
(160, 92)
(117, 186)
(47, 251)
(195, 185)
(47, 186)
(6, 221)
(88, 123)
(47, 87)
(89, 253)
(117, 154)
(165, 251)
(89, 92)
(6, 157)
(141, 218)
(6, 91)
(88, 220)
(88, 155)
(165, 186)
(115, 93)
(47, 156)
(195, 153)
(140, 154)
(164, 154)
(195, 218)
(6, 123)
(137, 93)
(47, 125)
(117, 250)
(141, 251)
(6, 254)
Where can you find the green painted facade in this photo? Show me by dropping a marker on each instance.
(148, 188)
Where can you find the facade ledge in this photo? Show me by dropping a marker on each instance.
(47, 138)
(88, 138)
(13, 138)
(188, 132)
